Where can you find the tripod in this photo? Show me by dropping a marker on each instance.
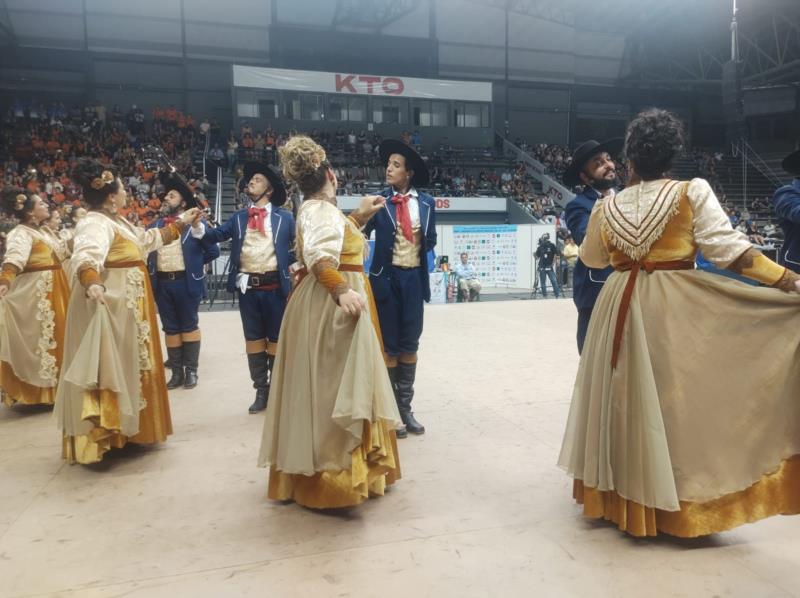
(535, 288)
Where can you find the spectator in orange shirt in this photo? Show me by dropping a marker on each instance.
(58, 195)
(172, 114)
(158, 114)
(53, 146)
(154, 203)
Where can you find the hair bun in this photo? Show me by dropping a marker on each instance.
(91, 174)
(301, 157)
(13, 200)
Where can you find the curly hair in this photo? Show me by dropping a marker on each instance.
(13, 204)
(97, 180)
(653, 139)
(305, 164)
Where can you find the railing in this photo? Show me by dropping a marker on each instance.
(750, 156)
(550, 187)
(205, 152)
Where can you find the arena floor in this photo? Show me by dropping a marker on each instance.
(482, 509)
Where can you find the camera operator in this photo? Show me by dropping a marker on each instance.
(546, 254)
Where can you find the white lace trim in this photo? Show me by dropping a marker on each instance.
(134, 292)
(48, 370)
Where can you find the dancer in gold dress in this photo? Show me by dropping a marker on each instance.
(329, 434)
(112, 388)
(34, 295)
(685, 416)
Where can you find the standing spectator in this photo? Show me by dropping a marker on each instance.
(570, 255)
(546, 253)
(232, 151)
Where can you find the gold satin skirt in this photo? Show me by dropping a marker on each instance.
(777, 493)
(375, 466)
(16, 390)
(101, 407)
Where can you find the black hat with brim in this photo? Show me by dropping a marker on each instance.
(791, 163)
(413, 160)
(585, 152)
(173, 180)
(274, 177)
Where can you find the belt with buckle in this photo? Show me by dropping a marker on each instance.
(171, 275)
(266, 279)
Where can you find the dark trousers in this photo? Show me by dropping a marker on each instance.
(178, 309)
(584, 315)
(400, 312)
(262, 314)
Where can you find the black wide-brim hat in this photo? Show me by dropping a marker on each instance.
(791, 163)
(413, 160)
(274, 177)
(585, 152)
(173, 180)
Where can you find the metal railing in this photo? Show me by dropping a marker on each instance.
(550, 187)
(751, 156)
(205, 152)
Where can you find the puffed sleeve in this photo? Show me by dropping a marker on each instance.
(593, 251)
(18, 248)
(726, 247)
(717, 239)
(92, 241)
(322, 229)
(152, 239)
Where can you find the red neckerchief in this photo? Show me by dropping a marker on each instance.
(255, 219)
(404, 215)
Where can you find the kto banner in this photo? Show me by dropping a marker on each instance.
(353, 83)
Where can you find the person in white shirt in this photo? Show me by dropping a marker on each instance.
(468, 281)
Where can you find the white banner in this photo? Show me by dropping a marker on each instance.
(491, 249)
(443, 204)
(355, 84)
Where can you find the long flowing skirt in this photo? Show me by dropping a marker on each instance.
(32, 319)
(329, 431)
(112, 389)
(697, 430)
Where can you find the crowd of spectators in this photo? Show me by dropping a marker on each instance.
(454, 172)
(41, 144)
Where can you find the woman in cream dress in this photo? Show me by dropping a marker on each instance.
(685, 417)
(329, 431)
(112, 388)
(34, 294)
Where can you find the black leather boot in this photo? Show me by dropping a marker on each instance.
(175, 360)
(406, 374)
(191, 356)
(401, 431)
(259, 374)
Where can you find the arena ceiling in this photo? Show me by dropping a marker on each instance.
(680, 42)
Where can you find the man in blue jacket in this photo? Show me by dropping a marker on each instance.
(786, 202)
(593, 168)
(262, 249)
(177, 274)
(405, 231)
